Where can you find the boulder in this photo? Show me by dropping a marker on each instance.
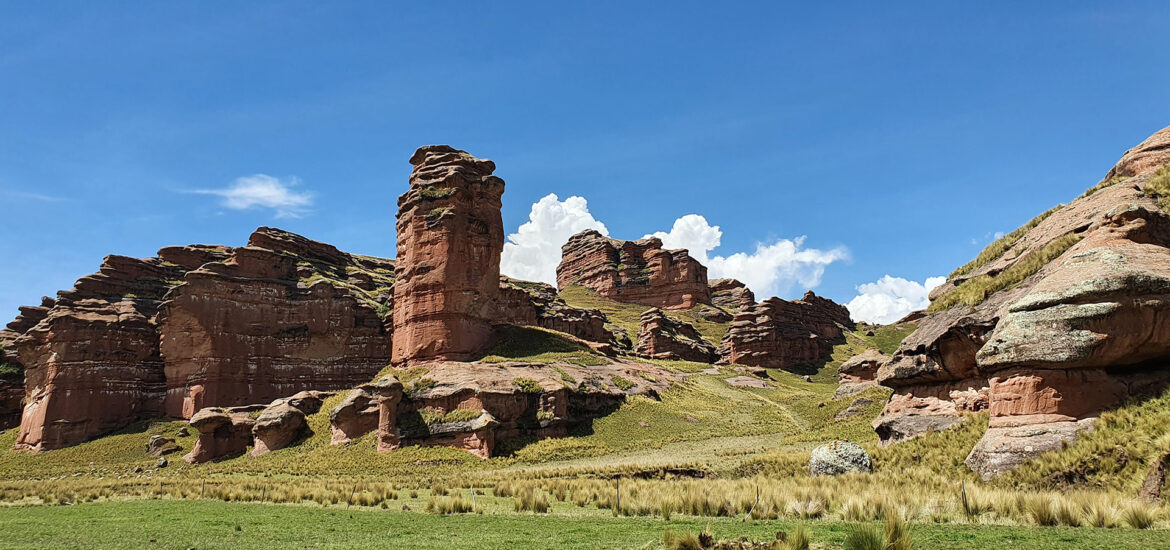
(355, 416)
(638, 272)
(859, 372)
(159, 445)
(282, 422)
(661, 337)
(838, 457)
(783, 334)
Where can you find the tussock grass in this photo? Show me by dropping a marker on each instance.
(1001, 245)
(1159, 187)
(973, 292)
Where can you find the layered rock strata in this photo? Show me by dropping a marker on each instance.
(282, 315)
(1076, 335)
(731, 295)
(92, 364)
(450, 236)
(661, 337)
(524, 303)
(784, 334)
(639, 272)
(11, 370)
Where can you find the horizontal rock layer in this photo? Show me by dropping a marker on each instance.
(639, 272)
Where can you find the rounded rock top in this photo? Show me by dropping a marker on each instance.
(839, 457)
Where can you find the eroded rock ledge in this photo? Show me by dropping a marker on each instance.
(639, 272)
(782, 334)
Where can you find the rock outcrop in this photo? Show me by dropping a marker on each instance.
(92, 364)
(731, 295)
(355, 416)
(11, 370)
(223, 433)
(282, 315)
(524, 303)
(639, 272)
(661, 337)
(838, 457)
(783, 334)
(450, 236)
(283, 421)
(1080, 327)
(859, 372)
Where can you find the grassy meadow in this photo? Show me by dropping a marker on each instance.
(706, 455)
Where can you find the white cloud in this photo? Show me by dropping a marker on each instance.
(534, 250)
(771, 270)
(264, 191)
(890, 298)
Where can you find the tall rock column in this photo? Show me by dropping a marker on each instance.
(450, 236)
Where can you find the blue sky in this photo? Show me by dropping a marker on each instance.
(896, 138)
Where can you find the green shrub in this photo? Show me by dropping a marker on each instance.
(527, 385)
(431, 192)
(622, 383)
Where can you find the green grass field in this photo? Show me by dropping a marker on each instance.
(205, 524)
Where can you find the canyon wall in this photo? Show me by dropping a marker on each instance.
(639, 272)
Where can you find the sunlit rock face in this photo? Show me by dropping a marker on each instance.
(637, 272)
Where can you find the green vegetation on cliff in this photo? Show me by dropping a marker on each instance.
(973, 292)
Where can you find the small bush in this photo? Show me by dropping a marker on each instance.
(1041, 512)
(531, 499)
(865, 536)
(688, 541)
(528, 385)
(1138, 516)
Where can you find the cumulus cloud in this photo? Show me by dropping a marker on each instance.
(890, 298)
(772, 269)
(264, 191)
(534, 250)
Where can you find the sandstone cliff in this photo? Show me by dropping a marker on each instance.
(282, 315)
(639, 272)
(450, 236)
(661, 337)
(784, 334)
(11, 370)
(1056, 322)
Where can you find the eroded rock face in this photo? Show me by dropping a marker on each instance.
(282, 315)
(838, 457)
(526, 303)
(1082, 334)
(92, 364)
(784, 334)
(639, 272)
(11, 370)
(731, 295)
(512, 399)
(450, 236)
(223, 432)
(661, 337)
(283, 421)
(355, 416)
(859, 372)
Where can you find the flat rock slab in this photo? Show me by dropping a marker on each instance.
(747, 382)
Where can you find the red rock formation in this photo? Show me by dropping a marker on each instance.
(92, 365)
(223, 433)
(781, 334)
(639, 272)
(859, 372)
(661, 337)
(731, 295)
(389, 391)
(1085, 332)
(526, 303)
(450, 236)
(283, 421)
(355, 416)
(11, 370)
(282, 315)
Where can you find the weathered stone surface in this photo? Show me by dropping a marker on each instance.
(785, 334)
(283, 421)
(526, 303)
(855, 408)
(859, 372)
(1082, 334)
(11, 370)
(92, 364)
(222, 432)
(159, 445)
(917, 409)
(639, 272)
(389, 391)
(661, 337)
(731, 295)
(355, 416)
(450, 236)
(270, 322)
(838, 457)
(1004, 448)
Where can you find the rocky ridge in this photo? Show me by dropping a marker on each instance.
(640, 272)
(1061, 320)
